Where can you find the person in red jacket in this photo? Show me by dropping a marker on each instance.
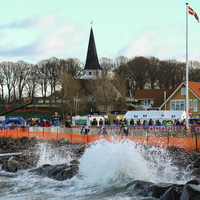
(43, 123)
(139, 123)
(150, 122)
(48, 123)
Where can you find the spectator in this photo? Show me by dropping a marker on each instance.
(132, 122)
(168, 123)
(48, 123)
(184, 122)
(94, 122)
(43, 123)
(117, 122)
(38, 123)
(150, 122)
(194, 123)
(158, 123)
(139, 123)
(100, 122)
(177, 122)
(198, 122)
(57, 123)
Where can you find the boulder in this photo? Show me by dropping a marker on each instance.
(138, 184)
(190, 192)
(57, 172)
(33, 139)
(12, 166)
(156, 190)
(173, 192)
(64, 141)
(197, 163)
(24, 140)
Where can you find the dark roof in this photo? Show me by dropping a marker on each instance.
(92, 58)
(154, 94)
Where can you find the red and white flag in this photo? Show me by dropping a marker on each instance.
(191, 12)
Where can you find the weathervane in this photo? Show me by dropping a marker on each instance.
(91, 23)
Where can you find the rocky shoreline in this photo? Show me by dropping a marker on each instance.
(28, 157)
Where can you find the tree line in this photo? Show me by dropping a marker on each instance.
(25, 80)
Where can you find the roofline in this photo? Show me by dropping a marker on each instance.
(183, 83)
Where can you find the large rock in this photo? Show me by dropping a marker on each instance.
(58, 172)
(156, 190)
(12, 166)
(197, 163)
(190, 192)
(173, 193)
(138, 184)
(64, 141)
(24, 140)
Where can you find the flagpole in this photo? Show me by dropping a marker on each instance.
(187, 66)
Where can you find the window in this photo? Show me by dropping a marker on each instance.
(183, 91)
(177, 104)
(40, 100)
(195, 105)
(90, 73)
(190, 104)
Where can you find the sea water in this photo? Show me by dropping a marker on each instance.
(104, 171)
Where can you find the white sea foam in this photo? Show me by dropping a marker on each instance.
(106, 162)
(49, 155)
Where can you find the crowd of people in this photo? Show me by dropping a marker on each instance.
(42, 123)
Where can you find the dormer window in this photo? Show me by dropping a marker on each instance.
(90, 73)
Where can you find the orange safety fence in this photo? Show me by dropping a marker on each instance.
(158, 141)
(189, 144)
(137, 140)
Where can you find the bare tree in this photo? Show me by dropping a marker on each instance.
(43, 77)
(194, 71)
(152, 69)
(7, 69)
(72, 66)
(32, 85)
(2, 83)
(107, 64)
(70, 88)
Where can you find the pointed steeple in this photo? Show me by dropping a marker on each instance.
(92, 62)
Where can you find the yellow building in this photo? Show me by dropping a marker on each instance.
(176, 101)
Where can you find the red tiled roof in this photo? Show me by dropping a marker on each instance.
(195, 87)
(154, 94)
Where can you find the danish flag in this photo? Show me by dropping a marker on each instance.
(191, 12)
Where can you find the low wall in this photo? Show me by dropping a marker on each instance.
(188, 142)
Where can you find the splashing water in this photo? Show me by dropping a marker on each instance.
(105, 169)
(106, 162)
(49, 155)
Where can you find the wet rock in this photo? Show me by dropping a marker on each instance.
(190, 192)
(12, 166)
(156, 190)
(24, 140)
(197, 163)
(173, 193)
(194, 182)
(33, 139)
(64, 141)
(138, 184)
(11, 144)
(57, 172)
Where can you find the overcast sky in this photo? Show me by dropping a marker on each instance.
(33, 30)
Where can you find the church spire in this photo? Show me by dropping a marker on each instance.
(92, 58)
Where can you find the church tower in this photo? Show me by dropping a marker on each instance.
(92, 67)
